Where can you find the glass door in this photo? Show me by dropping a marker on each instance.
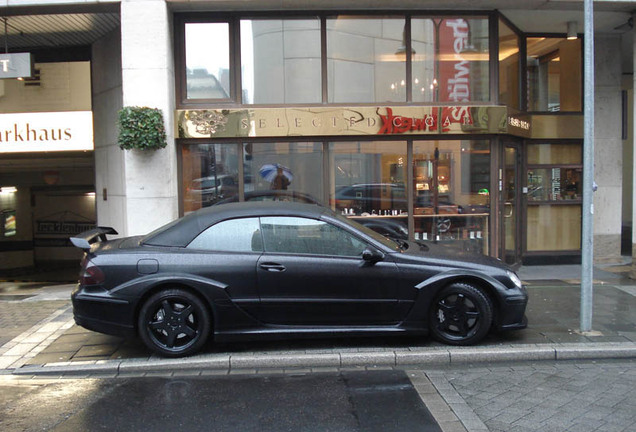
(510, 204)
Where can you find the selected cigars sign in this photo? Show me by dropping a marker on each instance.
(51, 131)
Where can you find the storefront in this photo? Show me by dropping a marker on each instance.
(451, 128)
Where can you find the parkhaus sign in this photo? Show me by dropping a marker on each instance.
(44, 132)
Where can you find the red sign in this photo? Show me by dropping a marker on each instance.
(392, 124)
(453, 69)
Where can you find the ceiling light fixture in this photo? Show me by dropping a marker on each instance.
(572, 35)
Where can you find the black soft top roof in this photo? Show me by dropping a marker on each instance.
(181, 232)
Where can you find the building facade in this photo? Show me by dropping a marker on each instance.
(458, 123)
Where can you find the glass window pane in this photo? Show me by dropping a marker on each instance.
(280, 61)
(209, 174)
(237, 235)
(554, 184)
(366, 60)
(450, 59)
(554, 74)
(308, 236)
(283, 171)
(207, 47)
(554, 154)
(451, 192)
(508, 66)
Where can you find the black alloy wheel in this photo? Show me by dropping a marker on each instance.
(174, 322)
(460, 315)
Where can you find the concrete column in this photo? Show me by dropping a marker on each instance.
(150, 177)
(633, 270)
(607, 149)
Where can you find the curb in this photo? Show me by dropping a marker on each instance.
(344, 359)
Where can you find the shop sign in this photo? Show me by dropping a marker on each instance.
(281, 122)
(18, 65)
(44, 132)
(519, 125)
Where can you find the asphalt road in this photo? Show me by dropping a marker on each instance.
(347, 401)
(564, 396)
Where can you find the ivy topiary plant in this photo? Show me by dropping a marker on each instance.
(141, 128)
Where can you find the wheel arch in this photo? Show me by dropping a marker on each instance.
(430, 288)
(179, 284)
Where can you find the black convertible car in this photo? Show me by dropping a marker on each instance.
(285, 269)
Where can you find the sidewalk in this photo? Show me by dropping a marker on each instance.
(45, 340)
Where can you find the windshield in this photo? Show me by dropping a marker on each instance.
(391, 244)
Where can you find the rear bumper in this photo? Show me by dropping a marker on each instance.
(101, 313)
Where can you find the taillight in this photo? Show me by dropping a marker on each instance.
(91, 274)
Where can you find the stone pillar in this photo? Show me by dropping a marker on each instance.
(607, 149)
(110, 189)
(150, 177)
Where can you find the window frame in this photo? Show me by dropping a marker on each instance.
(234, 18)
(180, 60)
(364, 242)
(207, 229)
(524, 53)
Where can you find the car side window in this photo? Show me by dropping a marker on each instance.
(308, 236)
(235, 235)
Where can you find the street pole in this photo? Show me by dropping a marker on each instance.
(587, 238)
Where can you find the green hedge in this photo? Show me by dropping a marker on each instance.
(141, 128)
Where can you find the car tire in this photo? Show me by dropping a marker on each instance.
(461, 314)
(174, 323)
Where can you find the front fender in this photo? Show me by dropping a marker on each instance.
(428, 289)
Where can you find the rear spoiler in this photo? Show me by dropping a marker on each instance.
(85, 239)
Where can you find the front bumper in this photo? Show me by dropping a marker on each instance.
(512, 314)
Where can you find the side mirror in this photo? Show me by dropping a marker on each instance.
(372, 255)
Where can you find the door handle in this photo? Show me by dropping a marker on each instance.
(508, 205)
(272, 267)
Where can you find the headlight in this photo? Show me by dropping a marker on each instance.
(515, 279)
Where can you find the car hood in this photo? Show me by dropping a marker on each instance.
(446, 256)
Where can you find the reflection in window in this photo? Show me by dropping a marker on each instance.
(284, 169)
(308, 236)
(209, 173)
(369, 178)
(451, 192)
(236, 235)
(280, 61)
(365, 60)
(450, 59)
(508, 66)
(207, 47)
(554, 74)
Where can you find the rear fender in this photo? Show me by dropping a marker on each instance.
(214, 293)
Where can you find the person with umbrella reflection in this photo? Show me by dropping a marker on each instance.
(279, 176)
(280, 182)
